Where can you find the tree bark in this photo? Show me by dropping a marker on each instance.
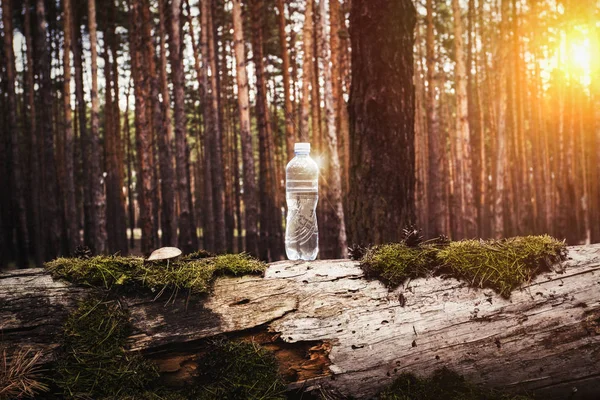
(162, 125)
(330, 327)
(99, 234)
(468, 212)
(436, 207)
(187, 230)
(70, 203)
(498, 221)
(250, 196)
(335, 220)
(143, 132)
(381, 120)
(37, 243)
(216, 152)
(16, 168)
(290, 136)
(50, 213)
(307, 67)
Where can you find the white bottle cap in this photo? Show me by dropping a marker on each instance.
(302, 148)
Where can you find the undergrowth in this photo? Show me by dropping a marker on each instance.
(443, 384)
(93, 362)
(20, 374)
(502, 265)
(194, 272)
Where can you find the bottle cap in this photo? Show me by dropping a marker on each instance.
(302, 148)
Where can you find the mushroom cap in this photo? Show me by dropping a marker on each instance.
(164, 253)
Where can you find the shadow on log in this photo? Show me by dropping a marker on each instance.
(329, 326)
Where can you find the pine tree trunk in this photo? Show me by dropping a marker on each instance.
(49, 192)
(84, 137)
(162, 126)
(216, 152)
(143, 132)
(468, 212)
(381, 120)
(269, 229)
(209, 213)
(130, 161)
(335, 220)
(71, 208)
(187, 231)
(99, 234)
(307, 68)
(37, 243)
(250, 196)
(501, 159)
(290, 137)
(16, 168)
(436, 207)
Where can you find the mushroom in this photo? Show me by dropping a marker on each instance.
(164, 253)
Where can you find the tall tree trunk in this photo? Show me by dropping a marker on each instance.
(37, 235)
(187, 230)
(381, 120)
(250, 195)
(468, 212)
(50, 212)
(290, 137)
(84, 136)
(216, 152)
(595, 91)
(307, 69)
(341, 108)
(143, 132)
(501, 159)
(335, 220)
(16, 168)
(270, 226)
(99, 234)
(71, 208)
(436, 207)
(209, 212)
(129, 151)
(162, 126)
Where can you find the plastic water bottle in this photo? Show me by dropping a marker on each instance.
(302, 194)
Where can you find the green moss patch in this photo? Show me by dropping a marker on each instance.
(194, 272)
(93, 362)
(239, 370)
(502, 265)
(443, 384)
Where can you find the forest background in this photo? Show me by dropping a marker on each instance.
(170, 122)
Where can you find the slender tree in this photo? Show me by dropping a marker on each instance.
(16, 177)
(37, 242)
(436, 207)
(187, 231)
(336, 220)
(218, 180)
(381, 120)
(143, 131)
(307, 68)
(290, 137)
(250, 198)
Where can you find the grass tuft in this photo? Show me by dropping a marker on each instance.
(195, 272)
(502, 265)
(443, 384)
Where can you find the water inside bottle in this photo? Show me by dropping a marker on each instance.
(302, 237)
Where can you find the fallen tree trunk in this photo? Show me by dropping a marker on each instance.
(330, 327)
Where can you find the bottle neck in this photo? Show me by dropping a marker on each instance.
(301, 154)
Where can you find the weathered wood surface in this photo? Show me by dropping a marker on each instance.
(329, 326)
